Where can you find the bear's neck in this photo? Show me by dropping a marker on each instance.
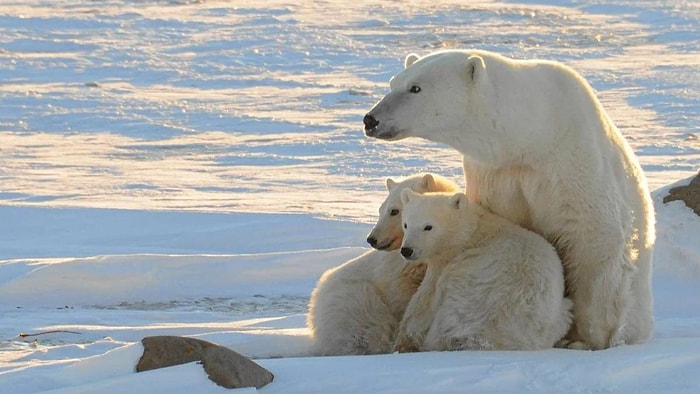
(485, 227)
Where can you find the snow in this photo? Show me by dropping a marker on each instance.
(192, 168)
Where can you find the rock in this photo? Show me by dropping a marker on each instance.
(689, 194)
(231, 370)
(166, 351)
(224, 366)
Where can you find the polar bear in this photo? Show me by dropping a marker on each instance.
(540, 150)
(490, 284)
(356, 307)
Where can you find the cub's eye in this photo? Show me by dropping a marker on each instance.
(394, 212)
(428, 228)
(404, 225)
(414, 89)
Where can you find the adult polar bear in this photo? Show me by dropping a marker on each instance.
(540, 150)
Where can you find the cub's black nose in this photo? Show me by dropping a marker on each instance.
(406, 252)
(370, 122)
(372, 242)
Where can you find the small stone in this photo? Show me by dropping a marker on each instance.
(224, 366)
(231, 370)
(689, 194)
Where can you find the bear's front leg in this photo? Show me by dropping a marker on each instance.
(418, 316)
(601, 295)
(405, 344)
(414, 325)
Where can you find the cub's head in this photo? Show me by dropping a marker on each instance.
(387, 233)
(433, 224)
(430, 98)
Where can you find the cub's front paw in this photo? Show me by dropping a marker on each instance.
(404, 344)
(579, 345)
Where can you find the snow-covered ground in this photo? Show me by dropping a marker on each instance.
(192, 167)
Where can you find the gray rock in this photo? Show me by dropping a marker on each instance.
(224, 366)
(689, 194)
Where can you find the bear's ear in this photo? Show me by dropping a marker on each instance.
(390, 183)
(459, 201)
(410, 59)
(407, 195)
(475, 68)
(429, 182)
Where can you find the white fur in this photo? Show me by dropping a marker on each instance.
(387, 233)
(356, 307)
(490, 284)
(540, 150)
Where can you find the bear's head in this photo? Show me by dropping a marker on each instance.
(387, 233)
(431, 98)
(434, 224)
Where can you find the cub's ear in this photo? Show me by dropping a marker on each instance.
(410, 59)
(407, 195)
(390, 183)
(459, 201)
(429, 182)
(475, 68)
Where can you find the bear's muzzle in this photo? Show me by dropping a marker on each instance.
(370, 125)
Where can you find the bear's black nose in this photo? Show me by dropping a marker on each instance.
(370, 122)
(372, 242)
(406, 252)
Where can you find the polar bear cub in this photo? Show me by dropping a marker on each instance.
(356, 307)
(490, 284)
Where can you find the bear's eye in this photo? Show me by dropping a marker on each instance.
(414, 89)
(404, 225)
(428, 228)
(394, 212)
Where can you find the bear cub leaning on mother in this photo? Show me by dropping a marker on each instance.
(490, 284)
